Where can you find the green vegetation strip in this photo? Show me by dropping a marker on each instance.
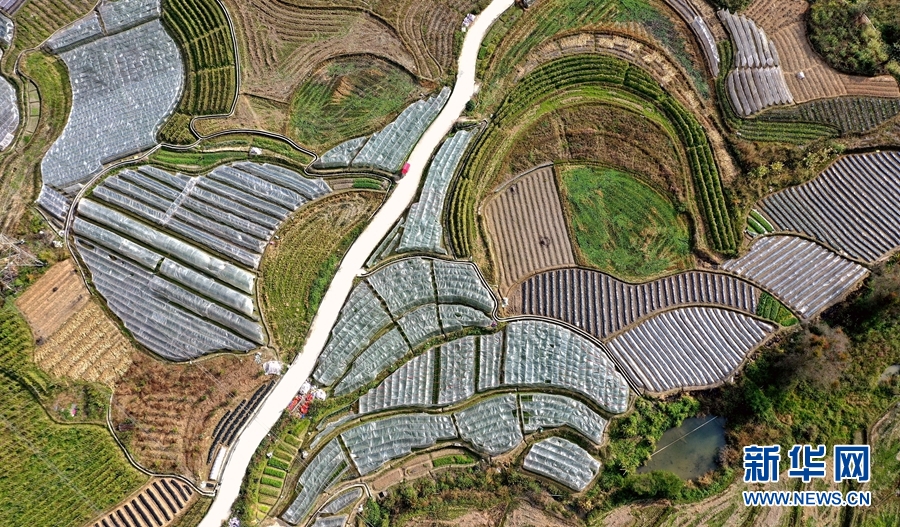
(201, 31)
(771, 309)
(53, 474)
(296, 272)
(623, 226)
(552, 83)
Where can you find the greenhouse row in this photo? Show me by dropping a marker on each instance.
(457, 371)
(9, 113)
(373, 444)
(541, 353)
(7, 28)
(688, 347)
(83, 29)
(851, 206)
(388, 349)
(342, 501)
(423, 230)
(308, 188)
(802, 274)
(420, 324)
(757, 81)
(123, 14)
(330, 521)
(404, 286)
(321, 472)
(601, 305)
(411, 385)
(162, 326)
(387, 149)
(54, 202)
(491, 426)
(490, 355)
(541, 410)
(704, 36)
(132, 77)
(562, 461)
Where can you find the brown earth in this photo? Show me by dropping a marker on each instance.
(784, 22)
(50, 301)
(159, 503)
(526, 228)
(165, 413)
(88, 346)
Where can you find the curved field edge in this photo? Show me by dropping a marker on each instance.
(621, 225)
(550, 85)
(297, 269)
(54, 474)
(201, 30)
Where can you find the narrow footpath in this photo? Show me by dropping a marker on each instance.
(404, 192)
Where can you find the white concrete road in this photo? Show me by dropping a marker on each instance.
(352, 265)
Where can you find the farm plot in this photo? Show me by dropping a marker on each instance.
(50, 301)
(200, 29)
(373, 444)
(141, 89)
(595, 77)
(53, 474)
(687, 348)
(850, 115)
(160, 503)
(542, 410)
(562, 461)
(9, 114)
(851, 207)
(805, 276)
(349, 97)
(526, 227)
(758, 81)
(423, 230)
(808, 76)
(328, 465)
(367, 339)
(386, 149)
(166, 414)
(622, 225)
(491, 426)
(233, 212)
(295, 272)
(602, 306)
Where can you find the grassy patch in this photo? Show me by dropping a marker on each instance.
(623, 226)
(348, 98)
(456, 459)
(79, 466)
(296, 272)
(211, 153)
(771, 309)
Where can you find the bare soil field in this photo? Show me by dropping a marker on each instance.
(165, 413)
(88, 346)
(50, 301)
(784, 22)
(161, 502)
(526, 228)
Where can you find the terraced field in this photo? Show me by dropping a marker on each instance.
(526, 227)
(160, 503)
(55, 297)
(785, 23)
(201, 31)
(602, 306)
(851, 207)
(53, 474)
(850, 115)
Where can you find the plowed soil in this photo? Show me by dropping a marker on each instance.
(526, 228)
(50, 301)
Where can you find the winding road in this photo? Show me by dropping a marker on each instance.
(352, 265)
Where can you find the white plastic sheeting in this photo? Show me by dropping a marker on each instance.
(373, 444)
(562, 461)
(491, 426)
(404, 284)
(802, 274)
(460, 283)
(423, 230)
(490, 350)
(542, 353)
(321, 471)
(421, 324)
(457, 371)
(342, 501)
(9, 113)
(541, 410)
(388, 349)
(411, 385)
(455, 317)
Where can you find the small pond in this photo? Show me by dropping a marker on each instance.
(690, 450)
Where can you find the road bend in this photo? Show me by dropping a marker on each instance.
(352, 265)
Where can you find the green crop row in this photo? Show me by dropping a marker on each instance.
(771, 309)
(592, 72)
(201, 31)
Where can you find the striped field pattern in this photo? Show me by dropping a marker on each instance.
(601, 305)
(802, 274)
(852, 206)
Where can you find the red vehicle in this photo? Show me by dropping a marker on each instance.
(405, 169)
